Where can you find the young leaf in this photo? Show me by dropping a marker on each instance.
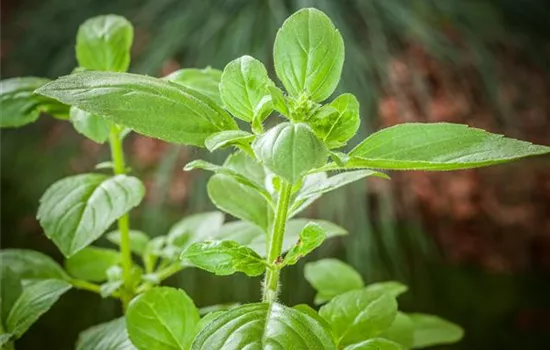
(91, 263)
(162, 318)
(390, 287)
(37, 298)
(278, 100)
(77, 210)
(310, 238)
(431, 330)
(243, 84)
(228, 138)
(103, 43)
(401, 331)
(150, 106)
(290, 150)
(359, 315)
(204, 81)
(331, 277)
(439, 146)
(10, 290)
(138, 240)
(110, 335)
(375, 344)
(224, 258)
(30, 264)
(239, 200)
(92, 126)
(340, 123)
(309, 54)
(20, 106)
(263, 326)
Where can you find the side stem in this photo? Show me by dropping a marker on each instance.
(119, 167)
(271, 281)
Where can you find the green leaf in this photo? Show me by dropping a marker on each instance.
(338, 121)
(203, 311)
(204, 81)
(224, 258)
(138, 240)
(10, 290)
(359, 315)
(110, 335)
(309, 54)
(92, 126)
(239, 200)
(151, 106)
(310, 238)
(431, 330)
(91, 263)
(308, 310)
(77, 210)
(390, 287)
(310, 181)
(162, 318)
(439, 146)
(208, 318)
(4, 339)
(247, 167)
(278, 100)
(290, 150)
(401, 331)
(37, 298)
(30, 264)
(263, 326)
(331, 277)
(20, 106)
(375, 344)
(243, 84)
(103, 43)
(228, 138)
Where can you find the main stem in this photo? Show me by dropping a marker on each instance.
(119, 167)
(271, 281)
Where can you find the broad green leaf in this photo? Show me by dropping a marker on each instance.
(77, 210)
(310, 238)
(390, 287)
(138, 240)
(243, 84)
(92, 263)
(338, 121)
(227, 138)
(375, 344)
(162, 318)
(110, 335)
(30, 264)
(359, 315)
(239, 200)
(263, 326)
(10, 290)
(308, 310)
(103, 43)
(150, 106)
(278, 100)
(309, 54)
(401, 331)
(290, 150)
(37, 298)
(224, 258)
(431, 330)
(331, 277)
(20, 106)
(92, 126)
(207, 319)
(247, 167)
(438, 146)
(204, 81)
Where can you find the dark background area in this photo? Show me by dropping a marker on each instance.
(474, 246)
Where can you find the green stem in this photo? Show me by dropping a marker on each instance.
(117, 155)
(271, 281)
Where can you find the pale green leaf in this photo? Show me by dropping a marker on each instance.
(92, 263)
(390, 287)
(37, 298)
(311, 237)
(204, 81)
(309, 54)
(150, 106)
(331, 277)
(279, 101)
(290, 150)
(138, 240)
(103, 43)
(431, 330)
(110, 335)
(224, 258)
(30, 264)
(401, 331)
(228, 138)
(77, 210)
(263, 326)
(375, 344)
(4, 339)
(10, 290)
(438, 146)
(247, 167)
(162, 318)
(92, 126)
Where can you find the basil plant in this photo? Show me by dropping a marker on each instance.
(286, 144)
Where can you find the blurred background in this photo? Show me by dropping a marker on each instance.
(474, 246)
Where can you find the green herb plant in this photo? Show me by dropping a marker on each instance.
(285, 143)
